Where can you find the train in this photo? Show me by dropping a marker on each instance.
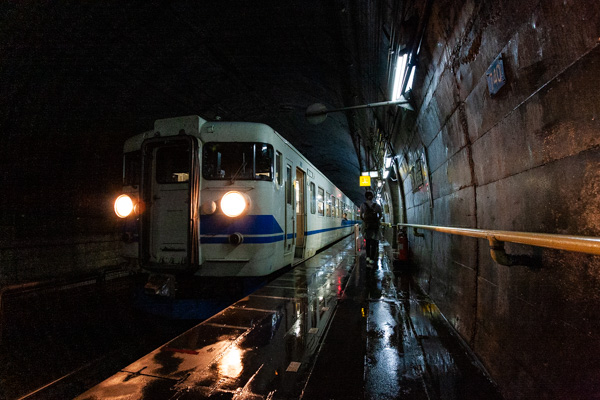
(223, 199)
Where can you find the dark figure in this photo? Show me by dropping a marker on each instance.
(370, 213)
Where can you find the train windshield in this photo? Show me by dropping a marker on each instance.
(173, 164)
(237, 161)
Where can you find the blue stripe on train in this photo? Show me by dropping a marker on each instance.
(247, 225)
(261, 239)
(326, 229)
(247, 239)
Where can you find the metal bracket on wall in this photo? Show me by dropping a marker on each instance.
(416, 233)
(498, 253)
(500, 256)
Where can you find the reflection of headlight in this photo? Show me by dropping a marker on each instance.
(123, 206)
(233, 204)
(231, 364)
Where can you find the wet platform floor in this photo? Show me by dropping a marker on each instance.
(331, 328)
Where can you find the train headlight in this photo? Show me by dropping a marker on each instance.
(234, 204)
(123, 206)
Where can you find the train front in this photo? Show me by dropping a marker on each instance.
(197, 206)
(242, 205)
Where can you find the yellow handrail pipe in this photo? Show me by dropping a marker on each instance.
(581, 244)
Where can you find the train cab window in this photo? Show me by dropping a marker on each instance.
(263, 163)
(132, 168)
(173, 164)
(278, 174)
(328, 205)
(313, 198)
(237, 161)
(321, 202)
(288, 185)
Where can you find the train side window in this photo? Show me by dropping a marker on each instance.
(132, 168)
(328, 205)
(278, 168)
(313, 198)
(288, 185)
(321, 201)
(337, 208)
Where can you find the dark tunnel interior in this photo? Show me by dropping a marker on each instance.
(498, 130)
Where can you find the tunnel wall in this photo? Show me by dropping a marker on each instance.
(23, 262)
(526, 159)
(43, 236)
(59, 176)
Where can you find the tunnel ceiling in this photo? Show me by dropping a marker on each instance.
(78, 78)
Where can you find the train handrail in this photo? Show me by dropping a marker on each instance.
(496, 238)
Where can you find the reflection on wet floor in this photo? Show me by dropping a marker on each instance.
(411, 351)
(261, 347)
(331, 328)
(61, 339)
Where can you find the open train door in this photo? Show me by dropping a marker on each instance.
(300, 213)
(169, 229)
(290, 215)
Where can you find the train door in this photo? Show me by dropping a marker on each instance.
(169, 226)
(300, 213)
(290, 215)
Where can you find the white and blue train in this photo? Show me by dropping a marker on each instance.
(224, 199)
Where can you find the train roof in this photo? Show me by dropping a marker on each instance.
(189, 124)
(208, 131)
(252, 132)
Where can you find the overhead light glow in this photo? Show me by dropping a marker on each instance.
(399, 77)
(388, 162)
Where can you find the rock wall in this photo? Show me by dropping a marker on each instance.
(525, 159)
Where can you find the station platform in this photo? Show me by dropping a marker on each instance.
(330, 328)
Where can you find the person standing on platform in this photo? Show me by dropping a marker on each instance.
(370, 213)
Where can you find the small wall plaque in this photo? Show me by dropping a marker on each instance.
(495, 75)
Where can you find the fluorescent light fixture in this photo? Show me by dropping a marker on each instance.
(386, 173)
(401, 67)
(388, 162)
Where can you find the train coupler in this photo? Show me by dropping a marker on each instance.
(161, 285)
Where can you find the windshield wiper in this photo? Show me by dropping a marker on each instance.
(238, 171)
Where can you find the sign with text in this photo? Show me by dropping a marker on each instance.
(365, 181)
(495, 75)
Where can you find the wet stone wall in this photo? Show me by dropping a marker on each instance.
(54, 227)
(22, 262)
(525, 159)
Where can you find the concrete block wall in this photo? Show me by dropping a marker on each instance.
(526, 159)
(22, 262)
(38, 245)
